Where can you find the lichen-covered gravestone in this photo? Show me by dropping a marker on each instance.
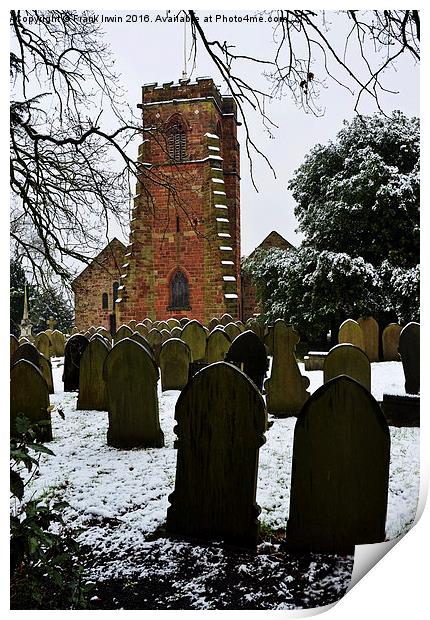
(92, 389)
(105, 333)
(286, 388)
(195, 336)
(58, 342)
(340, 471)
(176, 332)
(232, 330)
(171, 323)
(226, 319)
(390, 342)
(248, 353)
(137, 337)
(217, 345)
(131, 375)
(132, 325)
(370, 329)
(122, 332)
(75, 346)
(221, 419)
(175, 358)
(350, 332)
(212, 324)
(155, 339)
(346, 359)
(409, 349)
(43, 344)
(29, 397)
(165, 335)
(142, 329)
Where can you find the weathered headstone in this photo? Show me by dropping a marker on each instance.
(131, 378)
(232, 330)
(340, 471)
(155, 339)
(195, 336)
(142, 329)
(132, 325)
(217, 345)
(370, 329)
(105, 333)
(176, 332)
(165, 334)
(26, 351)
(184, 320)
(162, 325)
(350, 332)
(43, 344)
(248, 353)
(268, 339)
(346, 359)
(29, 397)
(390, 342)
(409, 349)
(122, 332)
(226, 319)
(212, 324)
(92, 389)
(45, 367)
(286, 388)
(241, 326)
(107, 341)
(221, 420)
(257, 328)
(14, 344)
(148, 323)
(58, 342)
(75, 346)
(171, 323)
(92, 330)
(175, 358)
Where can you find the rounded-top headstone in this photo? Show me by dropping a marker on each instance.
(26, 351)
(122, 332)
(217, 345)
(409, 349)
(350, 332)
(226, 319)
(92, 389)
(58, 343)
(29, 397)
(43, 344)
(195, 336)
(175, 359)
(370, 329)
(390, 342)
(346, 359)
(248, 353)
(75, 346)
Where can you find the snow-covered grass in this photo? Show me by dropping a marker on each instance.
(118, 499)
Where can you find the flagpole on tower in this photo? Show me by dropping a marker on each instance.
(184, 71)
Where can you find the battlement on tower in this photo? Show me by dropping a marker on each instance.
(201, 89)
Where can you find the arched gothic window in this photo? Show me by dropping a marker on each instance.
(179, 292)
(105, 301)
(176, 140)
(115, 286)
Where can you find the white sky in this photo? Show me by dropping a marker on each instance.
(153, 52)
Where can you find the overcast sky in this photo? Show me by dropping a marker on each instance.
(153, 52)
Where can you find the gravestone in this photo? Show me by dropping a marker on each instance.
(148, 323)
(171, 323)
(14, 344)
(257, 328)
(350, 332)
(131, 378)
(162, 325)
(165, 334)
(221, 419)
(25, 340)
(241, 326)
(346, 359)
(217, 345)
(176, 332)
(286, 388)
(268, 339)
(92, 330)
(29, 397)
(226, 319)
(184, 320)
(43, 344)
(248, 353)
(340, 471)
(175, 358)
(45, 367)
(122, 332)
(26, 351)
(132, 325)
(232, 330)
(142, 329)
(155, 339)
(58, 342)
(195, 336)
(75, 346)
(92, 389)
(212, 324)
(107, 341)
(390, 342)
(105, 333)
(409, 349)
(370, 329)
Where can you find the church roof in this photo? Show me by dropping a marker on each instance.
(107, 252)
(274, 240)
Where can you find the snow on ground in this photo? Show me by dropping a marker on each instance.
(118, 499)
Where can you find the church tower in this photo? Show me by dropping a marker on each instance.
(183, 257)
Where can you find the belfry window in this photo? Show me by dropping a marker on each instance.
(105, 301)
(176, 141)
(179, 292)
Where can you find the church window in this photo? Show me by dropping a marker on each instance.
(105, 301)
(176, 141)
(179, 292)
(115, 286)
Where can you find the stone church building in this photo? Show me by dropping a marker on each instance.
(183, 255)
